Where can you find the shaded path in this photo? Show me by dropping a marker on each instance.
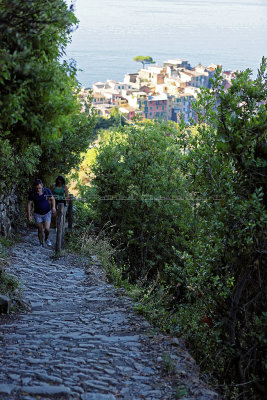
(82, 340)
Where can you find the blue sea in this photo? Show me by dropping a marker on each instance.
(112, 32)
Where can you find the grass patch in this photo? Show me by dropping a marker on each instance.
(168, 364)
(8, 283)
(5, 245)
(181, 392)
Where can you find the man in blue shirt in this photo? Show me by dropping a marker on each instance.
(41, 197)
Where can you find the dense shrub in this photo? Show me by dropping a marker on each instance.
(42, 130)
(225, 269)
(202, 256)
(140, 192)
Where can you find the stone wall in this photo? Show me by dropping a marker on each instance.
(9, 213)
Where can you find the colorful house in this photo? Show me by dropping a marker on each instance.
(182, 108)
(128, 112)
(153, 107)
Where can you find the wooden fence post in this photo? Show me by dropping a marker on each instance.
(64, 210)
(60, 226)
(70, 212)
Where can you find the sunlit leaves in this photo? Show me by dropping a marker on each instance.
(38, 102)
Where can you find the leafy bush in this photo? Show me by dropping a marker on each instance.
(12, 164)
(42, 130)
(140, 190)
(8, 283)
(202, 257)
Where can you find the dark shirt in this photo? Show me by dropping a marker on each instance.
(41, 203)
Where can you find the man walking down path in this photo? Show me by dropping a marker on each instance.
(41, 198)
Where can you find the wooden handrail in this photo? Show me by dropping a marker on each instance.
(60, 227)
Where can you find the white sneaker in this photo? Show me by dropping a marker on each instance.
(48, 243)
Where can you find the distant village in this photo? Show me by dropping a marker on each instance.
(157, 92)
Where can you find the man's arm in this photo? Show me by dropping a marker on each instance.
(51, 200)
(53, 204)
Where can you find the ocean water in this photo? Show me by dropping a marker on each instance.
(112, 32)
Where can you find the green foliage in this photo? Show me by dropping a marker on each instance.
(168, 363)
(104, 123)
(144, 60)
(201, 258)
(92, 243)
(13, 164)
(84, 214)
(224, 271)
(5, 244)
(112, 122)
(181, 392)
(140, 189)
(41, 126)
(8, 283)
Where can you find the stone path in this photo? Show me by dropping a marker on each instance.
(82, 340)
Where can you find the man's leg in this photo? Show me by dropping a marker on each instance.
(40, 232)
(47, 223)
(47, 229)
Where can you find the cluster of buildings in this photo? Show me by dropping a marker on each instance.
(157, 92)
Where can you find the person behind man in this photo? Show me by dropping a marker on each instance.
(61, 194)
(60, 191)
(41, 197)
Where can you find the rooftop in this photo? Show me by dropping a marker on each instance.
(175, 61)
(127, 109)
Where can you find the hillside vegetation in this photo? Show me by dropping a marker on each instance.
(42, 130)
(185, 211)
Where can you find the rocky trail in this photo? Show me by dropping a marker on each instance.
(81, 339)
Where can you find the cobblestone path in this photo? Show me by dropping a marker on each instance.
(82, 340)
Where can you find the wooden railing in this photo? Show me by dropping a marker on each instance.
(61, 222)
